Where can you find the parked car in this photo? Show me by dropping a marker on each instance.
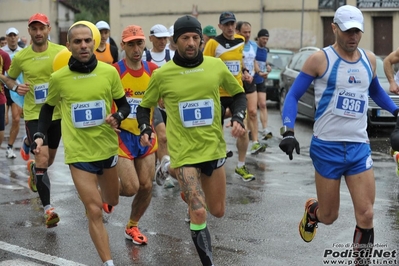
(277, 59)
(306, 104)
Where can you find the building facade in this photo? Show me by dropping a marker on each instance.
(16, 13)
(291, 24)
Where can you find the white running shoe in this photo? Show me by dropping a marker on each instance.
(10, 153)
(160, 175)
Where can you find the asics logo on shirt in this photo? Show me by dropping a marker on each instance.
(79, 106)
(347, 93)
(188, 105)
(351, 70)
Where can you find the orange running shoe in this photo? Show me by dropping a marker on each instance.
(52, 218)
(133, 233)
(107, 208)
(24, 150)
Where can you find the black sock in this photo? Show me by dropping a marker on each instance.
(312, 212)
(43, 185)
(363, 240)
(202, 242)
(10, 146)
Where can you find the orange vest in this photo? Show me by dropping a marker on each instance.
(105, 56)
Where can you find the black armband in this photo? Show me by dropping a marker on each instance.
(239, 103)
(45, 118)
(123, 107)
(143, 115)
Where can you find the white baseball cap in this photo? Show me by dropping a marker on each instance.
(348, 17)
(12, 30)
(102, 25)
(159, 31)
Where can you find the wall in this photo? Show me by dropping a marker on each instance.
(16, 13)
(282, 18)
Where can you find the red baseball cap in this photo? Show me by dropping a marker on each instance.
(132, 32)
(39, 17)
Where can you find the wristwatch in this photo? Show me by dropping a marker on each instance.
(15, 87)
(121, 115)
(284, 129)
(38, 135)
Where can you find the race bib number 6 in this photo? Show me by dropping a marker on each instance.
(196, 113)
(88, 114)
(350, 104)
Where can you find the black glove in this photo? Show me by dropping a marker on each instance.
(118, 116)
(146, 129)
(288, 144)
(239, 118)
(33, 145)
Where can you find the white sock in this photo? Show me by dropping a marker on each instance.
(240, 164)
(109, 263)
(46, 208)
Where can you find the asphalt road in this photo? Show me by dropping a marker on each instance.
(260, 226)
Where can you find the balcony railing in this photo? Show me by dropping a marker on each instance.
(331, 4)
(378, 3)
(334, 4)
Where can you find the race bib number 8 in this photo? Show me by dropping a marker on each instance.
(40, 92)
(350, 104)
(88, 114)
(196, 113)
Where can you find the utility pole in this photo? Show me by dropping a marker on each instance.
(303, 10)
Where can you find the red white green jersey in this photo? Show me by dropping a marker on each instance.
(36, 69)
(85, 100)
(135, 83)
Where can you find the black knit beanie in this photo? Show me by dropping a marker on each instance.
(186, 24)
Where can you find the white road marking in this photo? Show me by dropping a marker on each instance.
(11, 187)
(36, 255)
(18, 263)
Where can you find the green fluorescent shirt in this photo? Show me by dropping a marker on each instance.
(73, 89)
(36, 69)
(180, 87)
